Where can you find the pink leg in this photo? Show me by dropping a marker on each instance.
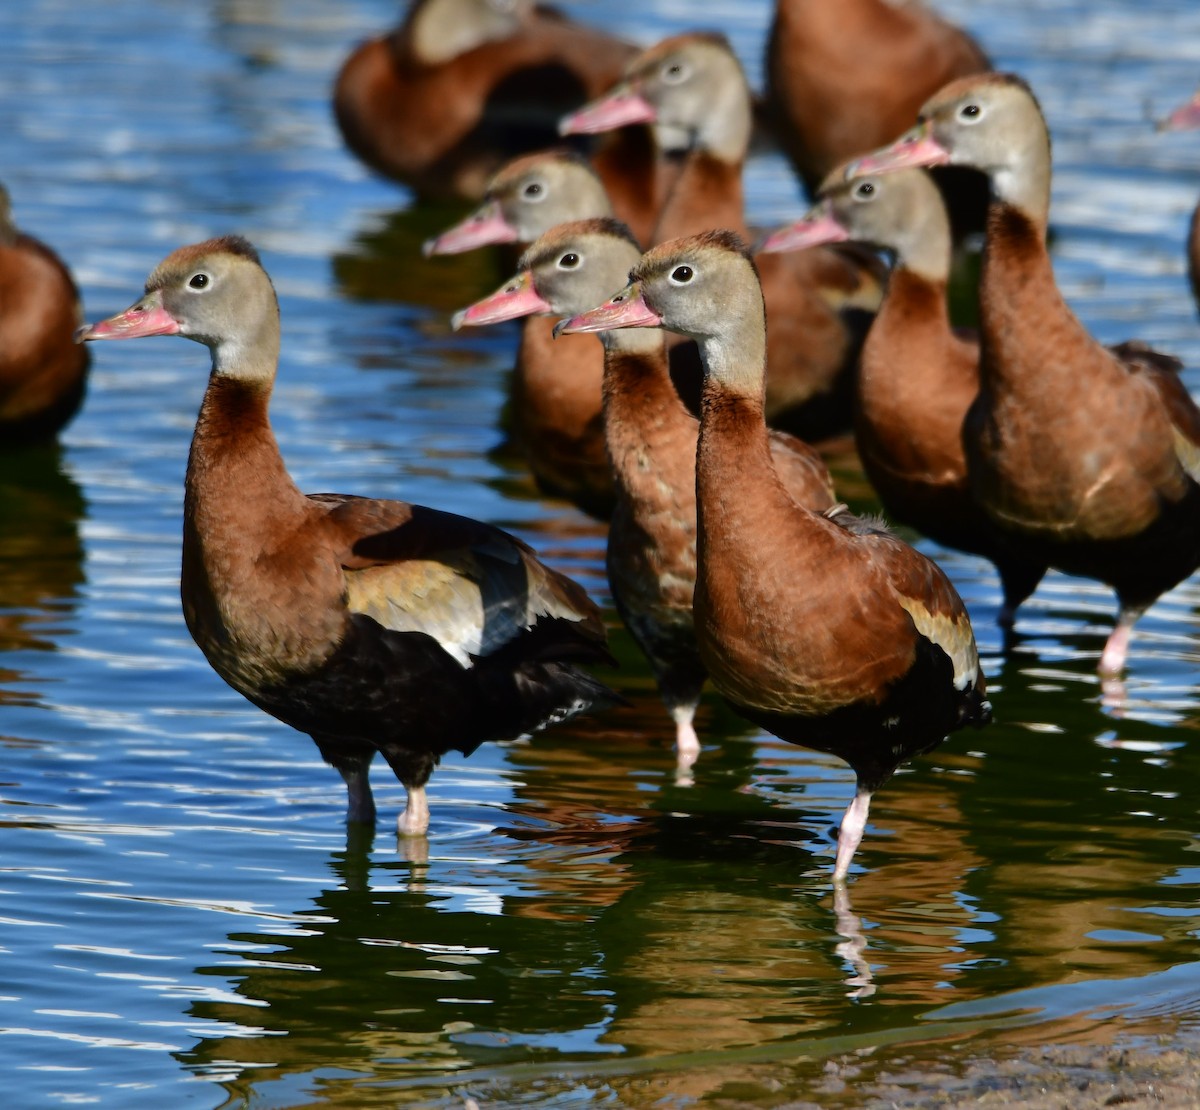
(414, 821)
(850, 834)
(1116, 647)
(687, 744)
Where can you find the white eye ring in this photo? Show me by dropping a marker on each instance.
(534, 192)
(673, 73)
(681, 275)
(971, 113)
(199, 281)
(572, 260)
(866, 191)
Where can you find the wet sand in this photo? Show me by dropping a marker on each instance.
(1163, 1073)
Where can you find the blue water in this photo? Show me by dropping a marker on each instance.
(183, 918)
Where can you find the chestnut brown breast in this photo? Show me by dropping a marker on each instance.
(557, 416)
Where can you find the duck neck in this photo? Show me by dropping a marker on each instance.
(1018, 295)
(915, 302)
(707, 193)
(923, 250)
(643, 412)
(236, 479)
(1023, 181)
(733, 450)
(905, 354)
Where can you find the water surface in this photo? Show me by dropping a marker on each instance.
(184, 919)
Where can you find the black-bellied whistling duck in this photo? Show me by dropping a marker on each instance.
(526, 198)
(43, 372)
(917, 377)
(1088, 456)
(555, 392)
(461, 85)
(555, 402)
(1187, 118)
(371, 625)
(692, 86)
(651, 439)
(845, 78)
(823, 628)
(532, 193)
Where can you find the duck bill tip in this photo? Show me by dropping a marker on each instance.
(484, 227)
(621, 108)
(814, 229)
(134, 323)
(626, 310)
(512, 301)
(916, 149)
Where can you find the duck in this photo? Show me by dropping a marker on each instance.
(534, 192)
(524, 199)
(823, 628)
(692, 88)
(43, 372)
(441, 101)
(650, 436)
(918, 377)
(555, 397)
(371, 625)
(843, 79)
(1088, 456)
(1187, 118)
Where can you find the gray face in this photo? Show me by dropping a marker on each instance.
(577, 272)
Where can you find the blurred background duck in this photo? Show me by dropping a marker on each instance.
(844, 78)
(692, 88)
(43, 371)
(461, 85)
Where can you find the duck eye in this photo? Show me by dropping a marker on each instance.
(970, 112)
(534, 190)
(674, 73)
(865, 191)
(568, 261)
(681, 275)
(198, 281)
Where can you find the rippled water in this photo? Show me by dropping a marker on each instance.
(183, 920)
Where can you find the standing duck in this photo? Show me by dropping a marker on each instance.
(917, 377)
(845, 78)
(461, 85)
(1187, 118)
(692, 86)
(651, 439)
(43, 372)
(820, 627)
(371, 625)
(1087, 456)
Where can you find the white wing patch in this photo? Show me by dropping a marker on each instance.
(954, 637)
(472, 610)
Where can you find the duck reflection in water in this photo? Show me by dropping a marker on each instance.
(41, 554)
